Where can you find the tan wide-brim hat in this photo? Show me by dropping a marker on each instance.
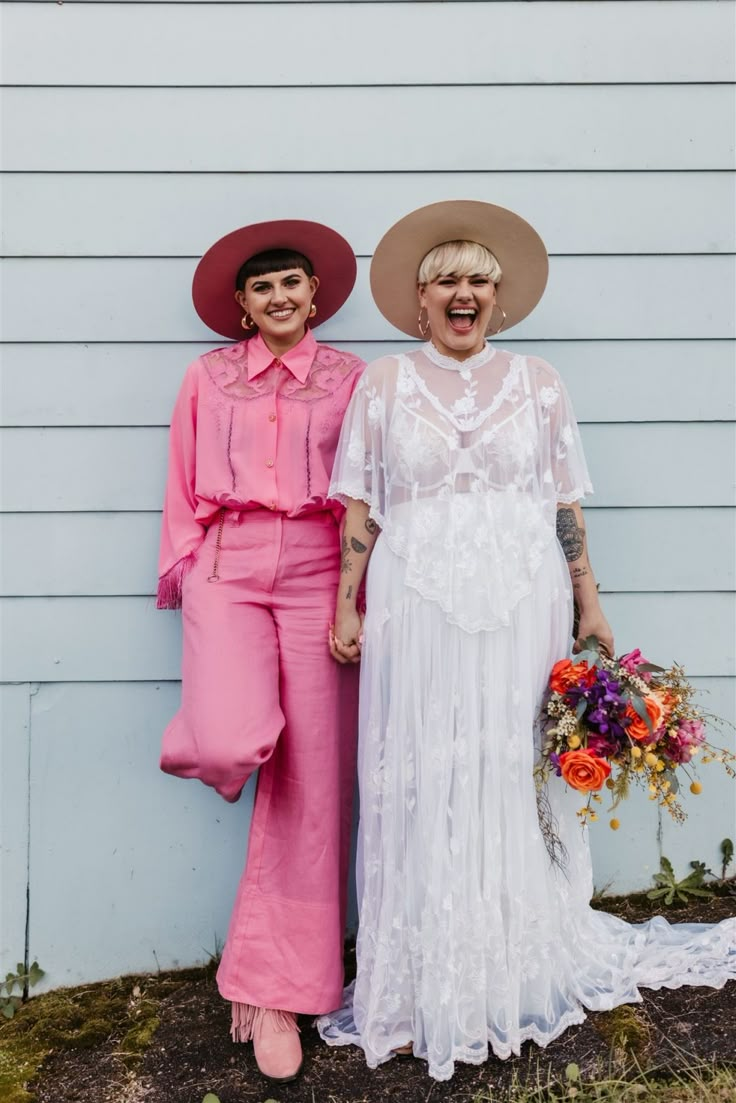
(213, 286)
(517, 247)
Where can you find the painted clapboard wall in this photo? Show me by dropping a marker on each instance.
(137, 133)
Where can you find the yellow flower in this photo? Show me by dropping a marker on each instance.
(573, 742)
(615, 824)
(696, 788)
(650, 759)
(593, 815)
(609, 783)
(670, 798)
(652, 788)
(659, 767)
(636, 752)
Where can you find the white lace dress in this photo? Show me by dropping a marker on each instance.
(469, 938)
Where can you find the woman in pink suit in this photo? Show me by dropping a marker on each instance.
(250, 551)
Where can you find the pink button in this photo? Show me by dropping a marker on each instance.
(269, 463)
(272, 417)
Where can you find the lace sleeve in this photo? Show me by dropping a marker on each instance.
(567, 467)
(359, 470)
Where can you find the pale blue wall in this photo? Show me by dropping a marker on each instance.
(128, 149)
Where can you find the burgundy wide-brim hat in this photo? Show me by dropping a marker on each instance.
(515, 244)
(213, 286)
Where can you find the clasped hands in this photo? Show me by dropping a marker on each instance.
(346, 637)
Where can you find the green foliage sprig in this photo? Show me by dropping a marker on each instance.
(670, 889)
(10, 1000)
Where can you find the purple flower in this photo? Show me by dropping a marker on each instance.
(555, 761)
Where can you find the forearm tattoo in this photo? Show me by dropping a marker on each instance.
(345, 565)
(349, 593)
(370, 525)
(570, 535)
(578, 574)
(357, 546)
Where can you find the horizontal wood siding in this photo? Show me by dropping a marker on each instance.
(132, 140)
(369, 44)
(386, 128)
(180, 214)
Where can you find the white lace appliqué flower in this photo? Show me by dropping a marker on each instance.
(548, 396)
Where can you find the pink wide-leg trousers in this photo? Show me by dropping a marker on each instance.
(261, 690)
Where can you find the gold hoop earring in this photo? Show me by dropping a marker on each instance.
(312, 311)
(493, 332)
(246, 321)
(423, 329)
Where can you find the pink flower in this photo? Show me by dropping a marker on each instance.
(631, 661)
(682, 743)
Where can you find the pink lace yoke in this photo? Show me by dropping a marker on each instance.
(251, 436)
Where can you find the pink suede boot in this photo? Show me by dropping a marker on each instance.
(275, 1036)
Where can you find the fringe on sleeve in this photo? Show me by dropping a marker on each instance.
(169, 585)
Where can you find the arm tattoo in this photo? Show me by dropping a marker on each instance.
(357, 546)
(345, 565)
(349, 594)
(570, 535)
(370, 525)
(578, 573)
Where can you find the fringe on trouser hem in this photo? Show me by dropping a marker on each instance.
(247, 1020)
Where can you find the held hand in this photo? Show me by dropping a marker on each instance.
(595, 624)
(346, 637)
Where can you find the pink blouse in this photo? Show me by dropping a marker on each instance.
(251, 431)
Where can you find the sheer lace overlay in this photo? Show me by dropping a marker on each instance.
(463, 465)
(470, 942)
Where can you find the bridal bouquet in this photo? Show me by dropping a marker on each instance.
(609, 723)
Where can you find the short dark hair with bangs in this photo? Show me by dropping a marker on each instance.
(273, 260)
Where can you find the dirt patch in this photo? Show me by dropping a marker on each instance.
(164, 1039)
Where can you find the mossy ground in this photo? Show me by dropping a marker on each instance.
(120, 1015)
(164, 1039)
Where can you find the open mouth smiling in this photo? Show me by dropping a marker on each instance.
(462, 318)
(281, 315)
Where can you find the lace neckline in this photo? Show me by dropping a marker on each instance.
(463, 366)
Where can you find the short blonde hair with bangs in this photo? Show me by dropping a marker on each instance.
(458, 258)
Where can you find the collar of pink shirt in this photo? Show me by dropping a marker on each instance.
(298, 359)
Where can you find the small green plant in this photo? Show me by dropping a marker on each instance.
(211, 1098)
(670, 889)
(10, 1000)
(726, 856)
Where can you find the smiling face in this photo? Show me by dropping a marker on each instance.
(457, 288)
(279, 304)
(459, 310)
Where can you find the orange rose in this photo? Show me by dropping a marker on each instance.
(638, 728)
(584, 770)
(566, 675)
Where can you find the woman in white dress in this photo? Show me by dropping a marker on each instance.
(462, 470)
